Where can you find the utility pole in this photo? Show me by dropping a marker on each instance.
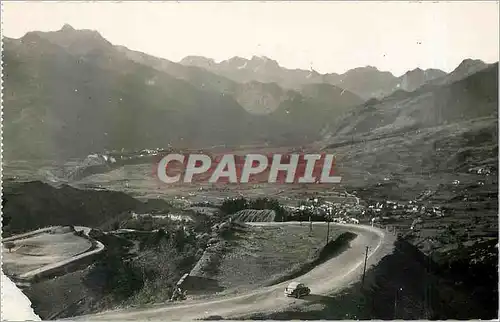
(364, 268)
(395, 304)
(310, 226)
(328, 232)
(429, 306)
(428, 288)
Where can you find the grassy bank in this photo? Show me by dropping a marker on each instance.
(265, 254)
(332, 249)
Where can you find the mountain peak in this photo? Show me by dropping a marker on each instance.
(236, 59)
(366, 68)
(261, 58)
(264, 61)
(469, 66)
(468, 62)
(67, 27)
(197, 58)
(418, 72)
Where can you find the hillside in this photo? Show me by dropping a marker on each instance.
(59, 104)
(70, 92)
(256, 95)
(473, 97)
(32, 205)
(438, 145)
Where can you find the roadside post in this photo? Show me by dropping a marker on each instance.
(396, 302)
(310, 226)
(364, 268)
(327, 231)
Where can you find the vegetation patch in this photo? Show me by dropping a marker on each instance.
(332, 249)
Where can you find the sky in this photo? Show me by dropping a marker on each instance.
(324, 36)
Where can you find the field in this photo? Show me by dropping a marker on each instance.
(39, 250)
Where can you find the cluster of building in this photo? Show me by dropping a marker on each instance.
(410, 208)
(482, 170)
(98, 159)
(336, 212)
(377, 211)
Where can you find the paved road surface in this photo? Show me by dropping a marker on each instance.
(325, 279)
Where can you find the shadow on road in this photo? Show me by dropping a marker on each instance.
(200, 285)
(317, 298)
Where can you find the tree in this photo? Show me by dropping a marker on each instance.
(179, 239)
(113, 274)
(231, 206)
(158, 236)
(9, 246)
(5, 218)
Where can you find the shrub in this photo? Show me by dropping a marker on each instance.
(9, 245)
(272, 204)
(231, 206)
(114, 275)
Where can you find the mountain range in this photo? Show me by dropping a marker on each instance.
(71, 92)
(366, 82)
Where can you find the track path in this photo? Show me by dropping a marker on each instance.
(28, 275)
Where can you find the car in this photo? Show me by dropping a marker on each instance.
(297, 290)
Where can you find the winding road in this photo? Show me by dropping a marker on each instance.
(327, 278)
(99, 247)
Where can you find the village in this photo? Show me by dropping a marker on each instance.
(366, 212)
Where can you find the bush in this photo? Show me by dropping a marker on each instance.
(272, 204)
(9, 245)
(231, 206)
(116, 276)
(79, 233)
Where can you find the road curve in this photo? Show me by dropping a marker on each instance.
(327, 278)
(29, 275)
